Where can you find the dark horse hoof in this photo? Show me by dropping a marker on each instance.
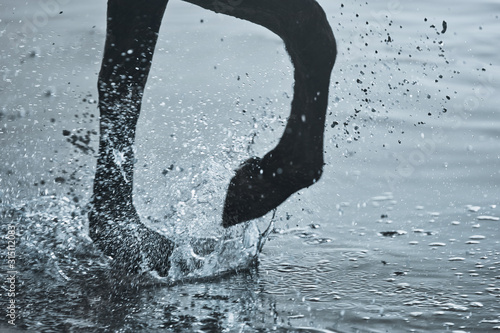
(261, 185)
(118, 232)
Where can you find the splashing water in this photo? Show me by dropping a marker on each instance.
(204, 258)
(52, 239)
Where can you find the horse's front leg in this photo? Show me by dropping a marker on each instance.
(262, 184)
(114, 225)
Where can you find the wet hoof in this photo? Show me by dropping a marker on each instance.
(261, 185)
(135, 248)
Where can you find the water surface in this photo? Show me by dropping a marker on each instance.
(400, 235)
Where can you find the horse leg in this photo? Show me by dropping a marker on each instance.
(114, 225)
(262, 184)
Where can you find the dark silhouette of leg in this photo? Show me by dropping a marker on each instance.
(114, 225)
(262, 184)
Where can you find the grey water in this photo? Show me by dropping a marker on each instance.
(401, 234)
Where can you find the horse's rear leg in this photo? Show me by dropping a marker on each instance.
(262, 184)
(131, 35)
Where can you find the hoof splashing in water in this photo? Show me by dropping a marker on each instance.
(261, 184)
(137, 249)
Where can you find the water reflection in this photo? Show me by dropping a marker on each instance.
(345, 285)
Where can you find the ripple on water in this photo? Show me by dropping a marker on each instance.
(305, 330)
(437, 244)
(318, 241)
(477, 237)
(472, 208)
(488, 218)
